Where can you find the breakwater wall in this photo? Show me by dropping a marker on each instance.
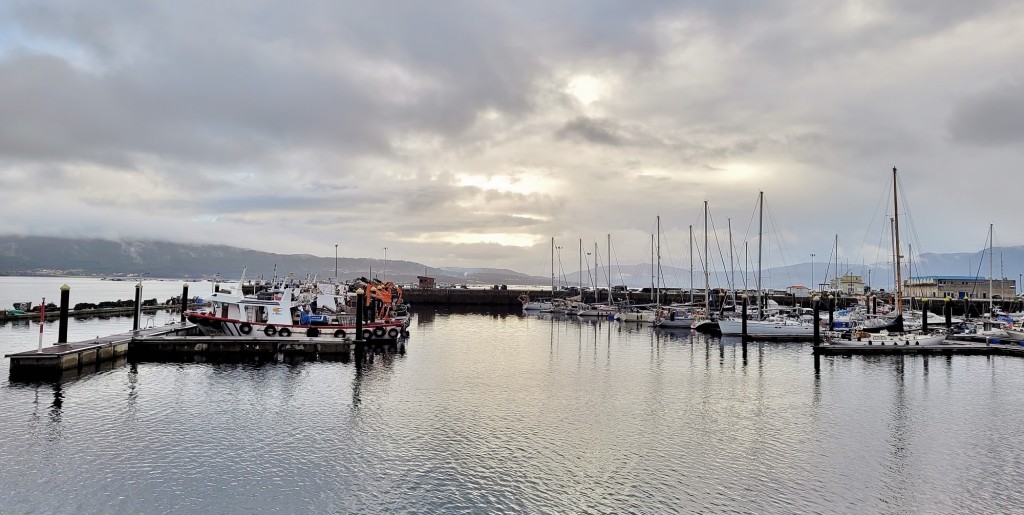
(494, 297)
(53, 313)
(510, 298)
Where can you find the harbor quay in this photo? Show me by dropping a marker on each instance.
(511, 298)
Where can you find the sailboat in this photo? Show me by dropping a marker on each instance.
(641, 313)
(990, 324)
(704, 321)
(542, 304)
(884, 336)
(773, 326)
(676, 317)
(596, 309)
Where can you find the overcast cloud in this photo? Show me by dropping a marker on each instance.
(470, 133)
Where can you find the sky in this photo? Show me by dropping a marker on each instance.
(468, 134)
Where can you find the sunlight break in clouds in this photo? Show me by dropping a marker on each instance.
(587, 89)
(503, 239)
(523, 184)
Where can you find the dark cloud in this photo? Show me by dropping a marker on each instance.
(600, 131)
(995, 117)
(291, 127)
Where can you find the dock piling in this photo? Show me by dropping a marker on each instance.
(42, 320)
(924, 315)
(184, 300)
(62, 327)
(831, 310)
(743, 324)
(948, 311)
(360, 300)
(138, 306)
(817, 320)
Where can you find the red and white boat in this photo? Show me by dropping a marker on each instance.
(293, 312)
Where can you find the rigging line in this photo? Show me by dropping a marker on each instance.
(871, 223)
(913, 228)
(981, 261)
(783, 250)
(718, 244)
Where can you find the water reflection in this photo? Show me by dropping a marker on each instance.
(526, 413)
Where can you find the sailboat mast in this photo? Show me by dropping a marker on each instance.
(896, 235)
(652, 263)
(760, 233)
(707, 285)
(990, 261)
(657, 289)
(580, 270)
(691, 264)
(839, 284)
(732, 266)
(609, 261)
(552, 267)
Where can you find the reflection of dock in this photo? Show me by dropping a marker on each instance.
(949, 347)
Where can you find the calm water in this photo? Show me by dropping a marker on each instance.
(505, 413)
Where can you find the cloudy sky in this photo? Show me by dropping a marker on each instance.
(470, 133)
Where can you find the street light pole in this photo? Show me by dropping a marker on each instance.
(335, 262)
(385, 264)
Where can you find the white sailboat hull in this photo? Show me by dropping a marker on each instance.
(773, 329)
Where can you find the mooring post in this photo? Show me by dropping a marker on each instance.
(42, 320)
(817, 320)
(138, 306)
(967, 308)
(948, 310)
(359, 316)
(831, 308)
(924, 315)
(370, 305)
(62, 327)
(743, 317)
(874, 305)
(184, 301)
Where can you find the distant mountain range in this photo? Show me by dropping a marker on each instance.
(31, 255)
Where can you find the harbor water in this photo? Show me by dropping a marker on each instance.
(501, 412)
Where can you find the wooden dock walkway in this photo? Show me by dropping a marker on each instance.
(72, 356)
(179, 341)
(949, 347)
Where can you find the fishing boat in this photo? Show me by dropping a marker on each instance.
(294, 311)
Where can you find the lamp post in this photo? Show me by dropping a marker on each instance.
(385, 264)
(813, 288)
(335, 262)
